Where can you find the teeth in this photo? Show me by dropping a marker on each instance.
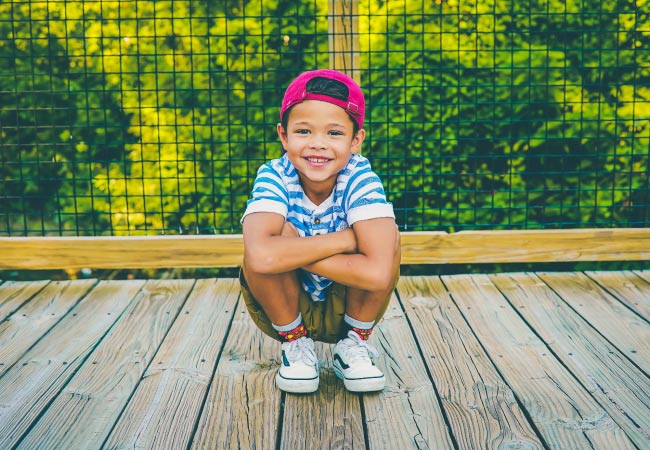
(318, 160)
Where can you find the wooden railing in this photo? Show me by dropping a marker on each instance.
(621, 244)
(470, 247)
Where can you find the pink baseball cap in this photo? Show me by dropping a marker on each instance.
(306, 87)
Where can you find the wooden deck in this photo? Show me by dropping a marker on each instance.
(507, 361)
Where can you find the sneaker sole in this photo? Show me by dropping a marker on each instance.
(361, 384)
(296, 386)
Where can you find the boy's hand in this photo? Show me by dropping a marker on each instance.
(351, 239)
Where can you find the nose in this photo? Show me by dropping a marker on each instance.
(317, 141)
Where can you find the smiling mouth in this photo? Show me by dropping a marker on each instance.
(315, 160)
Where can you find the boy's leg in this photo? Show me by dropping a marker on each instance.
(352, 353)
(367, 306)
(364, 308)
(278, 295)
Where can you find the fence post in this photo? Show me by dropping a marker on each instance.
(343, 20)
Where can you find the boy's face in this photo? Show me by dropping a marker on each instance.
(319, 140)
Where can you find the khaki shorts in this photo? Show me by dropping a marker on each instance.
(323, 320)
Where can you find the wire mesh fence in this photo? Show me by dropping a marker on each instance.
(141, 117)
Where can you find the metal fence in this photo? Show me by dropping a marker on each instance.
(152, 117)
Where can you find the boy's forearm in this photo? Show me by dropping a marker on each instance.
(277, 254)
(356, 270)
(375, 263)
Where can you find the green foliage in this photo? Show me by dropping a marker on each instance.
(155, 117)
(528, 119)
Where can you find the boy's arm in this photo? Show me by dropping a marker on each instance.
(376, 263)
(268, 250)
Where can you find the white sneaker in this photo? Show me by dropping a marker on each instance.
(299, 368)
(353, 365)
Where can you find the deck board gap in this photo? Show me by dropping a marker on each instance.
(619, 293)
(278, 436)
(197, 422)
(145, 369)
(519, 401)
(7, 306)
(84, 286)
(443, 410)
(616, 340)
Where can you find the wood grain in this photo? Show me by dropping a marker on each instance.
(168, 400)
(343, 33)
(84, 412)
(480, 406)
(628, 287)
(243, 404)
(128, 252)
(36, 317)
(645, 274)
(494, 351)
(565, 414)
(619, 386)
(622, 327)
(328, 418)
(616, 244)
(526, 246)
(407, 414)
(28, 387)
(14, 293)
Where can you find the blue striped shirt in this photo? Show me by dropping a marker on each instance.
(358, 195)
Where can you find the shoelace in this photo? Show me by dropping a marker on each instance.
(302, 350)
(358, 349)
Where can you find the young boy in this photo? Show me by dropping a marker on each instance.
(321, 247)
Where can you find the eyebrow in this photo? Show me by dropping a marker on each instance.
(331, 124)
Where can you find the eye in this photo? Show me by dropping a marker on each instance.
(336, 133)
(302, 131)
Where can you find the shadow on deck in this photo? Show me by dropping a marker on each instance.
(517, 361)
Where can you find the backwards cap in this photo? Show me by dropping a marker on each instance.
(301, 89)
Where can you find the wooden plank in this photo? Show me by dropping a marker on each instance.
(623, 328)
(30, 385)
(168, 400)
(625, 244)
(616, 244)
(85, 411)
(645, 274)
(619, 386)
(343, 32)
(407, 413)
(121, 252)
(35, 318)
(14, 293)
(480, 406)
(632, 290)
(562, 410)
(243, 404)
(328, 418)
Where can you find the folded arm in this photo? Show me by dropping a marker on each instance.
(375, 264)
(271, 246)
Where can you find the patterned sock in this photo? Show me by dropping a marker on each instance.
(363, 329)
(291, 332)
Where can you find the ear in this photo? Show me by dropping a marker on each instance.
(282, 134)
(357, 140)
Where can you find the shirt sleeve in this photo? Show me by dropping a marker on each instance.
(269, 193)
(366, 198)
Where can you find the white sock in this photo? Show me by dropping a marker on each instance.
(354, 323)
(289, 326)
